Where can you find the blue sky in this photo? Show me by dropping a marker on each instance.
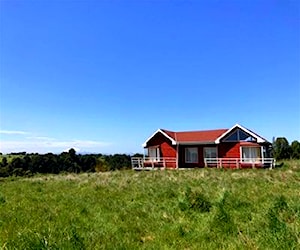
(102, 76)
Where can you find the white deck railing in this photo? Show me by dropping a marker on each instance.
(239, 162)
(145, 163)
(140, 163)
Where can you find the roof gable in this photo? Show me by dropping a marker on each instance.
(166, 133)
(258, 138)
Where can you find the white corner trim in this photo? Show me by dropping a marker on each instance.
(258, 138)
(159, 131)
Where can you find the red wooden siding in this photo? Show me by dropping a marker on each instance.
(229, 150)
(165, 146)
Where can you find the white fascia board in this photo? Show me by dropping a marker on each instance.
(258, 138)
(159, 131)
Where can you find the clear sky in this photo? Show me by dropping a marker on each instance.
(102, 76)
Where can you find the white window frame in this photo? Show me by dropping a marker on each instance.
(209, 148)
(154, 153)
(252, 157)
(238, 136)
(186, 151)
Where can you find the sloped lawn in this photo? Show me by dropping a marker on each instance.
(191, 209)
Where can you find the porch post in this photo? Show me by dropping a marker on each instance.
(177, 156)
(262, 154)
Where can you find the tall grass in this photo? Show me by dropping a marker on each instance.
(192, 209)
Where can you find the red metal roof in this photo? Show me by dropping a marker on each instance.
(195, 136)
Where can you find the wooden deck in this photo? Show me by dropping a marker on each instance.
(150, 163)
(240, 162)
(154, 163)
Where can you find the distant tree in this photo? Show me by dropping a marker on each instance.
(102, 164)
(88, 163)
(119, 161)
(18, 166)
(72, 153)
(281, 149)
(295, 150)
(4, 168)
(138, 155)
(18, 153)
(4, 162)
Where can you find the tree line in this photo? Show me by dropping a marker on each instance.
(282, 150)
(23, 164)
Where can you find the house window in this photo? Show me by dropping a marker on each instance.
(154, 153)
(239, 135)
(251, 153)
(210, 152)
(191, 155)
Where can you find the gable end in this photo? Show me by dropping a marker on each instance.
(163, 133)
(258, 138)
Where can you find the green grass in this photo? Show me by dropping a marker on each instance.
(188, 209)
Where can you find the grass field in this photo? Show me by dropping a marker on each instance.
(191, 209)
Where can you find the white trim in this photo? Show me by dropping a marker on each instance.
(156, 152)
(158, 131)
(241, 152)
(262, 153)
(258, 138)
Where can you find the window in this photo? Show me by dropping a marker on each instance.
(191, 155)
(154, 153)
(239, 135)
(210, 152)
(250, 153)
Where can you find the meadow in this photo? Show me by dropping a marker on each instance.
(182, 209)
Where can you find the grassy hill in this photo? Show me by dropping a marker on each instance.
(190, 209)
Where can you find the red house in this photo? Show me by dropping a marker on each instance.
(237, 147)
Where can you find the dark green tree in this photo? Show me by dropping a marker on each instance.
(295, 150)
(281, 149)
(88, 163)
(4, 162)
(4, 168)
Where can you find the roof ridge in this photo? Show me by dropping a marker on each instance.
(207, 130)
